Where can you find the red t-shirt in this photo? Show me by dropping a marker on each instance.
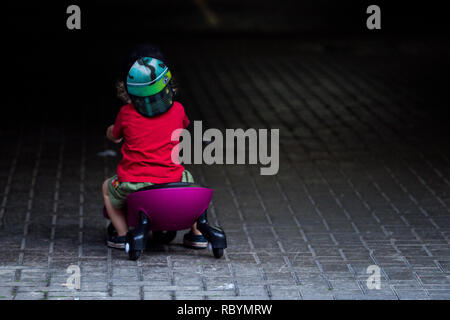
(147, 147)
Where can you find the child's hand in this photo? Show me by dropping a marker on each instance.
(110, 136)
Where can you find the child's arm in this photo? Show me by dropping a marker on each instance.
(110, 135)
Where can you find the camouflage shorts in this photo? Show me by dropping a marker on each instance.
(118, 191)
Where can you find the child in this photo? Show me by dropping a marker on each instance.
(145, 125)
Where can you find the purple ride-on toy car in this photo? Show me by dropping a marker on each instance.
(166, 208)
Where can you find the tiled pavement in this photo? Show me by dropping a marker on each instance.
(362, 181)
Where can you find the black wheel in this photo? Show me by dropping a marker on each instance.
(164, 236)
(218, 252)
(134, 254)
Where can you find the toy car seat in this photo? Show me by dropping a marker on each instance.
(170, 207)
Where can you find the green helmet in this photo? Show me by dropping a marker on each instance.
(148, 84)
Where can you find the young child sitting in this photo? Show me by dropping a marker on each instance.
(145, 125)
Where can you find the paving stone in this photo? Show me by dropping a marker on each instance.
(417, 294)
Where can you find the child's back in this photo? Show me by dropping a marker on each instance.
(147, 147)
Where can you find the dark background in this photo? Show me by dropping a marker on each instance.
(53, 68)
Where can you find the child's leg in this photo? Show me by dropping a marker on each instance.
(187, 177)
(116, 216)
(194, 229)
